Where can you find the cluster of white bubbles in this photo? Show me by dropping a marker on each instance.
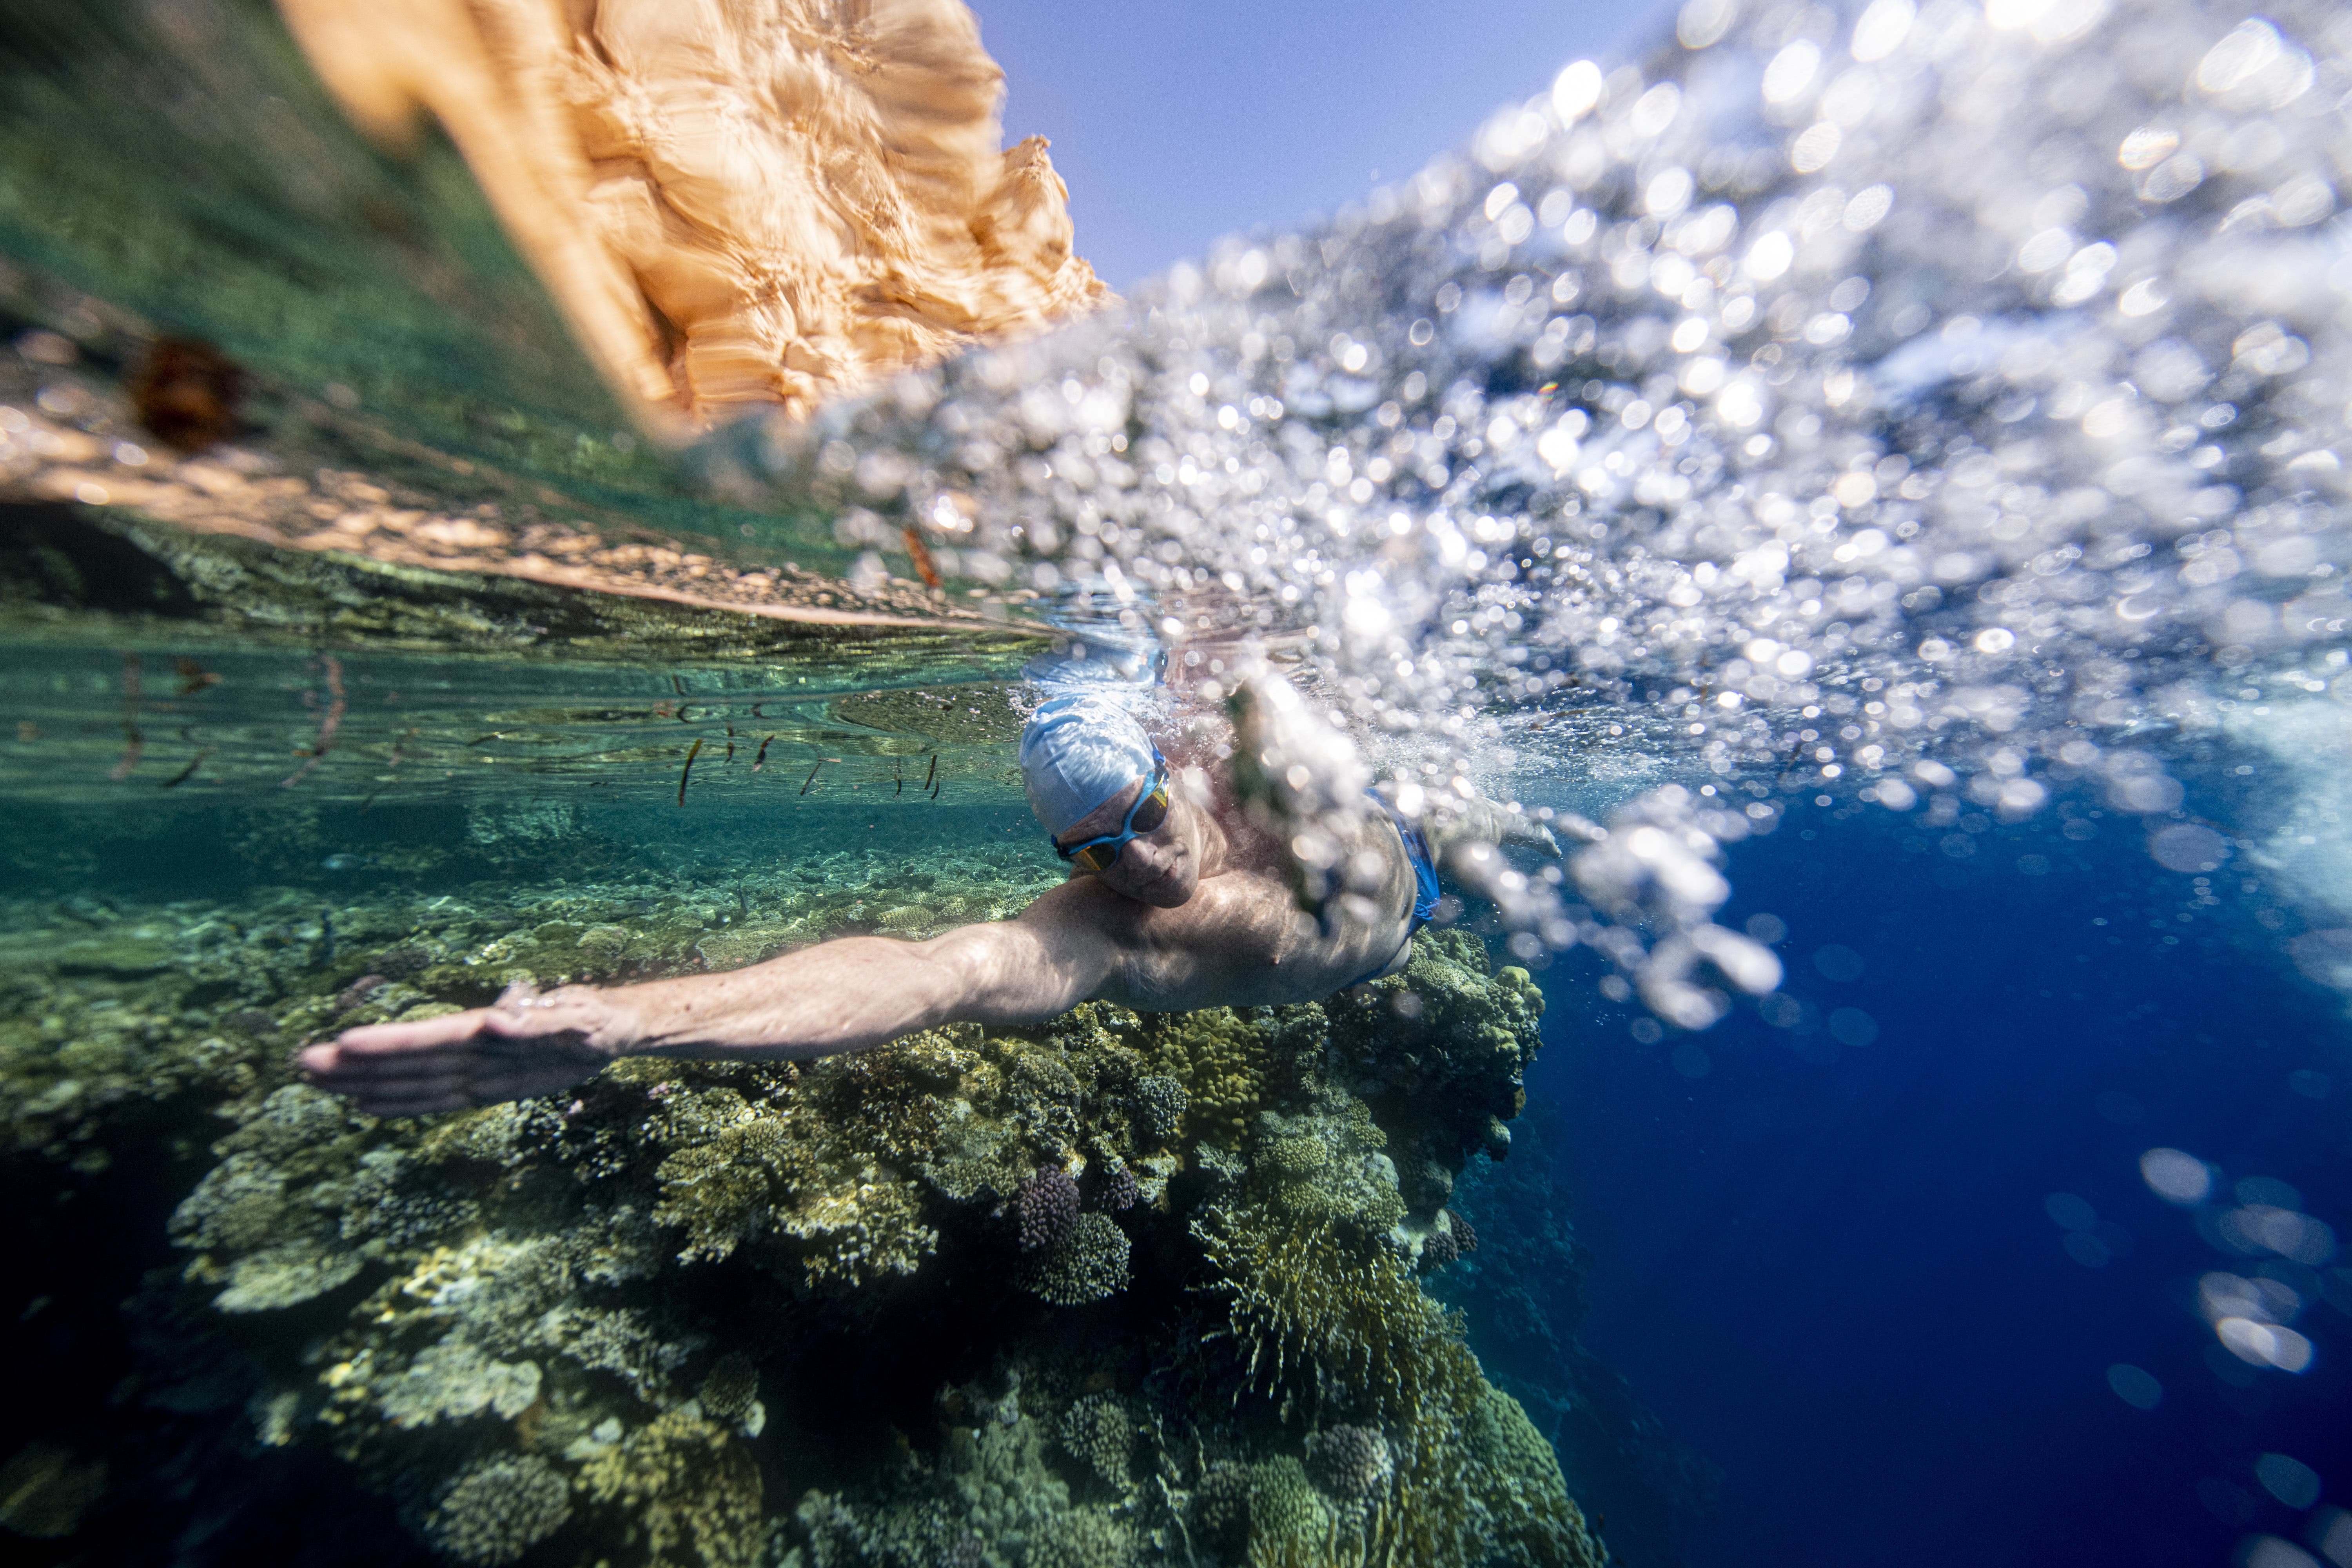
(2284, 1253)
(1937, 402)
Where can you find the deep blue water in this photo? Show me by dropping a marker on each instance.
(1833, 1269)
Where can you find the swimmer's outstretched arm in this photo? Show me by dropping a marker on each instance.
(1482, 821)
(839, 996)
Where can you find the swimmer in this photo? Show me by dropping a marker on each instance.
(1176, 901)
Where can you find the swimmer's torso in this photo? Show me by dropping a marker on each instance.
(1240, 940)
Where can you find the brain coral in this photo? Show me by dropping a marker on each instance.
(497, 1511)
(1089, 1266)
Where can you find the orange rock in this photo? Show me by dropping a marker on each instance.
(736, 203)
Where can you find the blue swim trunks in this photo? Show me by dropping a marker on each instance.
(1425, 876)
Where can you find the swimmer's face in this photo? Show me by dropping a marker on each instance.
(1162, 867)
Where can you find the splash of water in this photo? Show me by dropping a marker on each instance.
(1928, 401)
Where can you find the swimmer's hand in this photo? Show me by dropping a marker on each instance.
(1528, 834)
(522, 1045)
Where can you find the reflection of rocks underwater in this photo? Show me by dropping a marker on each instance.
(707, 1314)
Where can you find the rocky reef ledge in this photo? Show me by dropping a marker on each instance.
(1119, 1288)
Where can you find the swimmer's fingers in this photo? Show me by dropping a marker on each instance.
(448, 1063)
(393, 1041)
(447, 1080)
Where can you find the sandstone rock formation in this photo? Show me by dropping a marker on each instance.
(736, 203)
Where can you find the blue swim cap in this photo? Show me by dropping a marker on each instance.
(1077, 753)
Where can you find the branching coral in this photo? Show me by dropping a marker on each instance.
(1349, 1463)
(1090, 1265)
(1157, 1102)
(690, 1493)
(1289, 1523)
(1219, 1061)
(1047, 1208)
(1098, 1432)
(497, 1511)
(1439, 1052)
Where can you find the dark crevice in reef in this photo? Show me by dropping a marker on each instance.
(119, 1447)
(1522, 1296)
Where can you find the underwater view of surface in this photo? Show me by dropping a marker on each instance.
(1870, 476)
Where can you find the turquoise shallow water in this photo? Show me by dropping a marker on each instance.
(1883, 466)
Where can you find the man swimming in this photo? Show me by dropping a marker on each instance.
(1176, 901)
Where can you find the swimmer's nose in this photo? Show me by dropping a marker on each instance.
(1150, 859)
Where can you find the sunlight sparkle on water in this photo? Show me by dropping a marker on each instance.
(1951, 412)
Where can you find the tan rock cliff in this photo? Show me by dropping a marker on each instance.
(736, 203)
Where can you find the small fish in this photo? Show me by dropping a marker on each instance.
(194, 677)
(919, 553)
(132, 742)
(690, 754)
(730, 743)
(810, 780)
(347, 861)
(184, 774)
(761, 760)
(934, 770)
(359, 991)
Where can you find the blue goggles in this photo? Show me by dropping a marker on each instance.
(1144, 817)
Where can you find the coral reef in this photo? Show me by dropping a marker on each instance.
(1048, 1207)
(1115, 1290)
(1439, 1050)
(1098, 1430)
(1087, 1267)
(1351, 1463)
(495, 1512)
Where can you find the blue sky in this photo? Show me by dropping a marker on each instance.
(1176, 122)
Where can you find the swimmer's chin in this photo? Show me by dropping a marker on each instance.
(1168, 890)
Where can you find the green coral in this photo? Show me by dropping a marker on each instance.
(1218, 1514)
(1089, 1264)
(690, 1494)
(1099, 1433)
(1288, 1522)
(1219, 1062)
(497, 1511)
(1082, 1538)
(1439, 1052)
(731, 1391)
